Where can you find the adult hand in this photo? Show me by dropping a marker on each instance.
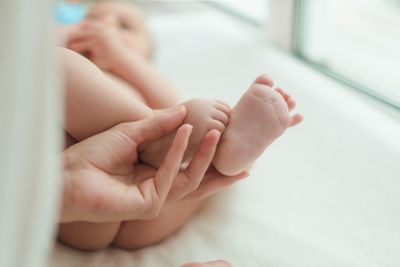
(100, 171)
(104, 182)
(199, 180)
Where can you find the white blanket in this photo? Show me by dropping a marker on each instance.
(325, 194)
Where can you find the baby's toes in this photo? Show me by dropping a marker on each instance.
(291, 103)
(217, 125)
(288, 99)
(221, 116)
(222, 106)
(282, 93)
(265, 80)
(296, 119)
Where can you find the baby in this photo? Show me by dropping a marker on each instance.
(123, 86)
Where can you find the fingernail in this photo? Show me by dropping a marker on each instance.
(189, 126)
(218, 133)
(186, 128)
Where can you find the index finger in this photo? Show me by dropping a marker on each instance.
(213, 183)
(172, 162)
(189, 180)
(153, 128)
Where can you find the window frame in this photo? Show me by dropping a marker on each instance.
(226, 9)
(285, 27)
(297, 48)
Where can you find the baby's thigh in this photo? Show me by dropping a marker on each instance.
(94, 102)
(88, 236)
(142, 233)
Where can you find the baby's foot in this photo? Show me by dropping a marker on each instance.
(260, 117)
(204, 115)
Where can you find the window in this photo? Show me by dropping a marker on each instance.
(356, 41)
(254, 11)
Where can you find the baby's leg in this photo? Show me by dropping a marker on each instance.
(261, 115)
(258, 119)
(88, 236)
(93, 104)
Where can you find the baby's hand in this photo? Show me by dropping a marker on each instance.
(98, 41)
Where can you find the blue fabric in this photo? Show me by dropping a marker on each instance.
(68, 13)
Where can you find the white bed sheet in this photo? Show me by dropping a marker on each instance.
(326, 194)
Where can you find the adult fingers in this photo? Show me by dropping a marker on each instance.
(194, 173)
(153, 128)
(143, 172)
(157, 190)
(173, 160)
(214, 182)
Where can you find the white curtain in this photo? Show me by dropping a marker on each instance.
(29, 133)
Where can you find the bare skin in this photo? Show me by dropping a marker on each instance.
(129, 20)
(127, 88)
(92, 108)
(204, 115)
(132, 74)
(258, 119)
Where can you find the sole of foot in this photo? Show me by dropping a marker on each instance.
(258, 119)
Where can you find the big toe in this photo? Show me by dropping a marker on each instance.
(264, 79)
